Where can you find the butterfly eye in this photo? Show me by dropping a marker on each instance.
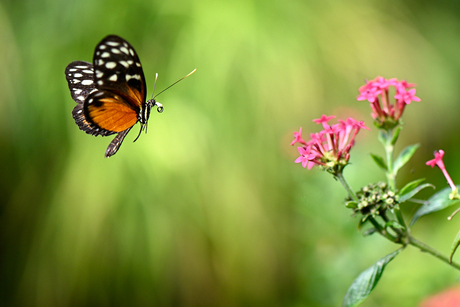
(159, 107)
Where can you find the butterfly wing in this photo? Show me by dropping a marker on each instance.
(80, 78)
(118, 69)
(109, 111)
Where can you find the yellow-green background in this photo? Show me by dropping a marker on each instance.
(208, 208)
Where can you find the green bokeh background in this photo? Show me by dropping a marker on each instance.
(208, 208)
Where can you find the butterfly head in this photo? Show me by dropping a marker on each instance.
(145, 113)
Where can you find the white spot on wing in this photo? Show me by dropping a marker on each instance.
(110, 65)
(99, 74)
(128, 77)
(124, 63)
(113, 78)
(124, 49)
(87, 82)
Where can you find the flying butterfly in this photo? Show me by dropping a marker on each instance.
(111, 93)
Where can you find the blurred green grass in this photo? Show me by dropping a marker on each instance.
(208, 208)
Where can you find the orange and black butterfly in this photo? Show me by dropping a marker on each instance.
(110, 93)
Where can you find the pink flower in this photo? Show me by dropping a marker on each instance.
(406, 85)
(369, 94)
(298, 137)
(438, 161)
(406, 96)
(323, 120)
(385, 113)
(381, 83)
(329, 148)
(305, 157)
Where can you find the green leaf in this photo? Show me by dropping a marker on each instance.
(369, 232)
(364, 284)
(351, 204)
(410, 186)
(435, 203)
(394, 224)
(395, 136)
(410, 194)
(404, 156)
(379, 161)
(455, 245)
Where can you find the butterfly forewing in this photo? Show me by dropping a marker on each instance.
(118, 69)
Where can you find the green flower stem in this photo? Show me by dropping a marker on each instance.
(428, 249)
(387, 141)
(382, 230)
(339, 175)
(389, 150)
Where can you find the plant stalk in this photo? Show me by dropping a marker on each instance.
(428, 249)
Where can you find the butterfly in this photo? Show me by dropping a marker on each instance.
(111, 92)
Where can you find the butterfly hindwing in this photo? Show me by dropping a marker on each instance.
(86, 124)
(80, 78)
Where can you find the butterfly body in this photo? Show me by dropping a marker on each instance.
(110, 92)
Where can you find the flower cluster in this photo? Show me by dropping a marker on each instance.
(376, 91)
(373, 200)
(329, 148)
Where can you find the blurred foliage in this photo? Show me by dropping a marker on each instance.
(208, 208)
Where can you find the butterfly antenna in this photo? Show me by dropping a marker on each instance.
(160, 107)
(175, 82)
(154, 84)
